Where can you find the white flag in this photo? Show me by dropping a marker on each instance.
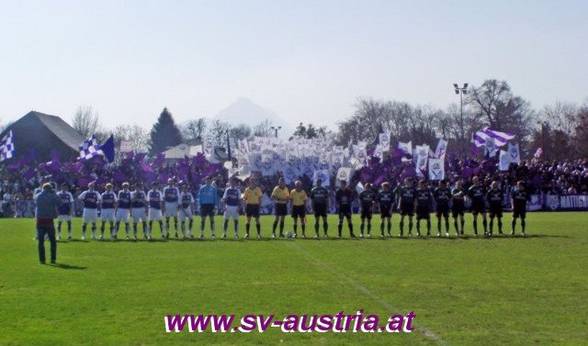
(405, 147)
(379, 151)
(126, 146)
(513, 150)
(422, 155)
(436, 169)
(344, 173)
(385, 141)
(7, 146)
(490, 147)
(441, 148)
(504, 160)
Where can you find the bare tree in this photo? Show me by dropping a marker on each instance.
(193, 131)
(561, 116)
(86, 121)
(263, 129)
(135, 135)
(217, 133)
(239, 132)
(495, 102)
(581, 135)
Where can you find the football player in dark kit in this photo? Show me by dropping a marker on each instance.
(344, 197)
(319, 197)
(442, 196)
(494, 196)
(386, 201)
(458, 207)
(519, 199)
(423, 206)
(367, 199)
(407, 196)
(477, 195)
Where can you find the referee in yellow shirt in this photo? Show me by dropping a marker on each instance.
(252, 198)
(299, 197)
(280, 195)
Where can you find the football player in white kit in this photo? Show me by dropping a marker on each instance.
(138, 205)
(185, 211)
(232, 200)
(65, 210)
(171, 195)
(155, 200)
(90, 198)
(107, 205)
(123, 209)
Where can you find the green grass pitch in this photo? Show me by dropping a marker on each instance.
(505, 290)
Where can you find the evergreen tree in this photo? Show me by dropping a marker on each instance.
(164, 133)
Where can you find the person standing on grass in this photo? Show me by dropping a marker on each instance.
(47, 205)
(299, 198)
(90, 198)
(367, 198)
(494, 196)
(185, 210)
(407, 196)
(386, 201)
(252, 198)
(108, 204)
(280, 196)
(208, 199)
(458, 207)
(65, 210)
(319, 197)
(442, 196)
(138, 214)
(171, 195)
(476, 193)
(155, 200)
(423, 206)
(123, 209)
(231, 199)
(344, 198)
(519, 199)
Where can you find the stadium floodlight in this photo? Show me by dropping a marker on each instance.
(276, 129)
(461, 91)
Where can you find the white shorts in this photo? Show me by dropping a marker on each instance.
(107, 214)
(231, 212)
(122, 215)
(184, 214)
(90, 215)
(154, 214)
(138, 214)
(171, 209)
(64, 218)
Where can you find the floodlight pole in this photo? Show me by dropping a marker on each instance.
(461, 91)
(276, 129)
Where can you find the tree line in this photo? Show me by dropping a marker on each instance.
(561, 129)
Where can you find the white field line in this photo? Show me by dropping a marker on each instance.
(427, 333)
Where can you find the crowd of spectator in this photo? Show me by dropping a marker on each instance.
(541, 177)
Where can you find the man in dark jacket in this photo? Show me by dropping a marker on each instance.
(47, 204)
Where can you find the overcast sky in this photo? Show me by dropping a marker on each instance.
(304, 60)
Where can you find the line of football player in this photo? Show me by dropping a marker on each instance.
(131, 207)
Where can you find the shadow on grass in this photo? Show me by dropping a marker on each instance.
(67, 266)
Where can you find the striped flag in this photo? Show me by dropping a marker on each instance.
(486, 134)
(89, 148)
(7, 146)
